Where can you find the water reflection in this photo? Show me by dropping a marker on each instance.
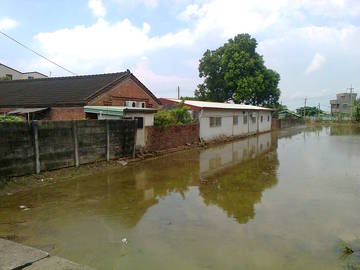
(99, 210)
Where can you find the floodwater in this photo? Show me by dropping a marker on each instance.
(276, 201)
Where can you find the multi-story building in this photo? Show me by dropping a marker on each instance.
(342, 103)
(13, 74)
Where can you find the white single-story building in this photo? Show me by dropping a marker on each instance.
(225, 119)
(144, 116)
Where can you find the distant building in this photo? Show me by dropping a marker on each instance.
(342, 103)
(13, 74)
(219, 120)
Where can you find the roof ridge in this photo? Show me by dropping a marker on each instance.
(67, 77)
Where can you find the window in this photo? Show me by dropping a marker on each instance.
(9, 76)
(140, 122)
(253, 119)
(30, 77)
(215, 121)
(235, 120)
(261, 119)
(245, 120)
(133, 104)
(268, 118)
(143, 104)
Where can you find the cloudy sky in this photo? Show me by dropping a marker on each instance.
(313, 44)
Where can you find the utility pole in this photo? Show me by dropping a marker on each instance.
(351, 105)
(318, 111)
(305, 109)
(178, 92)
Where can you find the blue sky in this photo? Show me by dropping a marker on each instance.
(314, 45)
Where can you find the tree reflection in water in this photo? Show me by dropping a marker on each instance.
(236, 190)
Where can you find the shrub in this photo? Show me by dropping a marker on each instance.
(179, 115)
(9, 118)
(357, 110)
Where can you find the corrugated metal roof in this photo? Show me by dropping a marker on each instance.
(116, 110)
(218, 105)
(26, 110)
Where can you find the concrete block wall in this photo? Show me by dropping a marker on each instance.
(47, 145)
(174, 136)
(16, 149)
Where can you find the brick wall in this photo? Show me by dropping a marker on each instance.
(174, 136)
(128, 89)
(67, 113)
(275, 123)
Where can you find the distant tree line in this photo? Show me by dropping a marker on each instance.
(309, 111)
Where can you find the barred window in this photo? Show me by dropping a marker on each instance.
(245, 119)
(235, 120)
(215, 121)
(261, 119)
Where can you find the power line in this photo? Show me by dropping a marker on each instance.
(38, 54)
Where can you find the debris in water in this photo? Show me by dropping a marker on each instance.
(26, 209)
(9, 194)
(124, 241)
(22, 206)
(123, 162)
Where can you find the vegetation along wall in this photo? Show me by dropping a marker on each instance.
(27, 148)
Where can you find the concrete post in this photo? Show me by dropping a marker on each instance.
(135, 134)
(76, 143)
(107, 140)
(36, 146)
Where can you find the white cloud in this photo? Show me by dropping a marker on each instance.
(97, 8)
(104, 44)
(7, 23)
(146, 3)
(230, 17)
(316, 63)
(164, 85)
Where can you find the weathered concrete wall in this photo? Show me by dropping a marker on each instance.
(174, 136)
(16, 148)
(286, 123)
(47, 145)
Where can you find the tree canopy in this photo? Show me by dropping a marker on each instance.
(235, 71)
(310, 111)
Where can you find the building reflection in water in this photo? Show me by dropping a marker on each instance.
(243, 170)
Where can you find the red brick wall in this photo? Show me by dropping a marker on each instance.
(127, 89)
(275, 123)
(67, 113)
(174, 136)
(5, 110)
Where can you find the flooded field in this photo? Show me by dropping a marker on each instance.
(276, 201)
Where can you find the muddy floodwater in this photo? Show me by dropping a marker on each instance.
(275, 201)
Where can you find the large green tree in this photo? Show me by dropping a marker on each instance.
(235, 71)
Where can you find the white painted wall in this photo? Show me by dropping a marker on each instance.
(227, 128)
(141, 134)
